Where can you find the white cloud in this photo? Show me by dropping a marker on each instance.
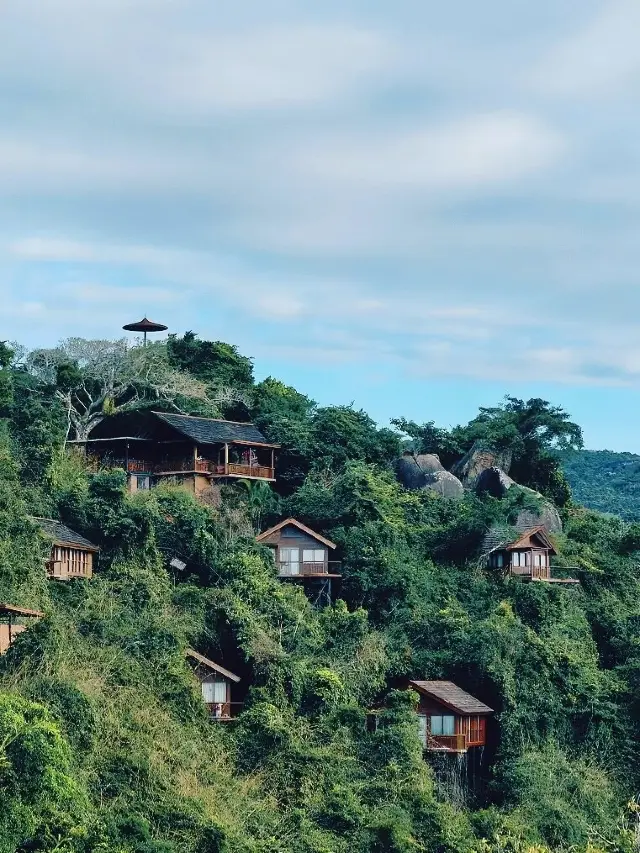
(477, 151)
(596, 60)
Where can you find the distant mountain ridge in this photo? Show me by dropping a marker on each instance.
(605, 481)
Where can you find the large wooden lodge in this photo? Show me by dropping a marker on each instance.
(154, 447)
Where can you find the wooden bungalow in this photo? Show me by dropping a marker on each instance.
(449, 718)
(12, 623)
(302, 554)
(155, 447)
(527, 555)
(215, 683)
(71, 554)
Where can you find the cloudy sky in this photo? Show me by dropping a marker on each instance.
(415, 206)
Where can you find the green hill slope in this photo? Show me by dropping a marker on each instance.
(606, 481)
(105, 745)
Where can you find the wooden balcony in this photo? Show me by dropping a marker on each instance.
(309, 570)
(222, 712)
(447, 743)
(65, 570)
(200, 466)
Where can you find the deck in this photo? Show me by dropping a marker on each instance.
(310, 570)
(223, 712)
(193, 466)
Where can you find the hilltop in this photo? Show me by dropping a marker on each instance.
(105, 743)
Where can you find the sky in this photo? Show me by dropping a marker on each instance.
(416, 207)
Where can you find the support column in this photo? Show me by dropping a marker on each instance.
(226, 458)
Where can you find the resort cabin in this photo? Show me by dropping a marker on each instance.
(71, 554)
(215, 682)
(155, 447)
(12, 623)
(299, 551)
(449, 718)
(528, 556)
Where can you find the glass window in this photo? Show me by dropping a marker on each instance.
(290, 560)
(499, 560)
(422, 729)
(309, 555)
(214, 691)
(143, 482)
(443, 725)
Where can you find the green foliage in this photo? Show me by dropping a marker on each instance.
(606, 481)
(105, 744)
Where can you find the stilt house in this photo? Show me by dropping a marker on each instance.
(216, 683)
(526, 555)
(449, 718)
(156, 447)
(12, 623)
(302, 554)
(71, 555)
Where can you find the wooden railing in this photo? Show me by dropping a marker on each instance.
(285, 571)
(447, 743)
(223, 711)
(63, 570)
(202, 466)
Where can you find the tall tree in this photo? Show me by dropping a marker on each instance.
(93, 379)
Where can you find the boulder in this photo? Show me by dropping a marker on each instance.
(477, 460)
(494, 481)
(412, 470)
(444, 484)
(547, 515)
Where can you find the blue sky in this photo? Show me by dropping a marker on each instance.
(416, 207)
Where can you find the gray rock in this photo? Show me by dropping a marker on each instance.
(412, 470)
(477, 460)
(547, 515)
(444, 484)
(494, 481)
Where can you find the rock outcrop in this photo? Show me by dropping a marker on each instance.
(477, 460)
(547, 515)
(412, 470)
(444, 484)
(494, 481)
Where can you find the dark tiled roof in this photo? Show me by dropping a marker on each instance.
(59, 532)
(211, 431)
(452, 696)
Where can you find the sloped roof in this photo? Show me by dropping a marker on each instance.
(452, 696)
(213, 431)
(301, 527)
(504, 538)
(12, 610)
(63, 535)
(528, 537)
(214, 667)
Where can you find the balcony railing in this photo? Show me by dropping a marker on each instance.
(287, 570)
(447, 743)
(201, 466)
(63, 570)
(221, 712)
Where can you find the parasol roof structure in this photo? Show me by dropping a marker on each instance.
(145, 325)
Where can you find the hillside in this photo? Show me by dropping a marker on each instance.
(105, 743)
(606, 481)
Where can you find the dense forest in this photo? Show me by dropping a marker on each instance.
(606, 481)
(105, 745)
